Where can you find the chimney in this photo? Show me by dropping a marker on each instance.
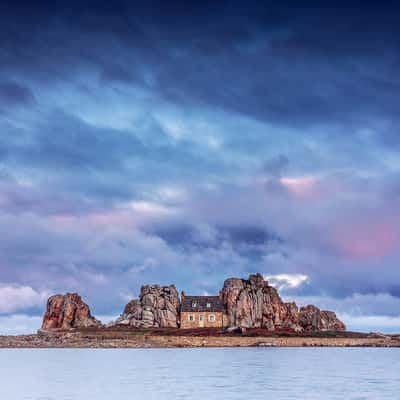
(182, 296)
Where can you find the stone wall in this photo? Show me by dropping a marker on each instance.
(187, 324)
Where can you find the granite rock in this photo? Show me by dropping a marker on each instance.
(253, 303)
(68, 311)
(312, 319)
(157, 306)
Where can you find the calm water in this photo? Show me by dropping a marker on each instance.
(253, 373)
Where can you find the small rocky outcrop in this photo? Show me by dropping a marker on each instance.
(157, 306)
(68, 311)
(312, 319)
(253, 303)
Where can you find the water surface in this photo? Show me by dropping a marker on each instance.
(227, 373)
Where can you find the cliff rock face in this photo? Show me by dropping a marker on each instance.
(157, 306)
(253, 303)
(312, 319)
(68, 311)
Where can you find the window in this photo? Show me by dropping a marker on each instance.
(211, 318)
(208, 305)
(191, 318)
(201, 318)
(194, 304)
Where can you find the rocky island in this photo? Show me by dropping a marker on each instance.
(247, 312)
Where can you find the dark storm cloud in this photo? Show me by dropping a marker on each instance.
(173, 142)
(276, 166)
(90, 165)
(288, 64)
(12, 93)
(182, 235)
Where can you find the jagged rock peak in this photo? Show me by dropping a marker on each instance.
(157, 306)
(253, 303)
(68, 311)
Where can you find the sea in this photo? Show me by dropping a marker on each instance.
(200, 373)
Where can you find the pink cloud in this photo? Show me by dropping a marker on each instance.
(131, 214)
(370, 239)
(112, 218)
(301, 187)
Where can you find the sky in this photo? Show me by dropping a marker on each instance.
(189, 142)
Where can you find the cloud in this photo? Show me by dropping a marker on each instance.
(360, 312)
(14, 94)
(150, 208)
(373, 323)
(357, 304)
(240, 67)
(185, 153)
(15, 298)
(19, 324)
(276, 166)
(284, 281)
(301, 186)
(367, 239)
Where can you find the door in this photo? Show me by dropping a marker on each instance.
(201, 321)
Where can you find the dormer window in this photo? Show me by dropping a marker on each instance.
(208, 305)
(194, 304)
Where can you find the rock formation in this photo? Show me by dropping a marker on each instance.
(253, 303)
(312, 319)
(68, 311)
(157, 306)
(247, 303)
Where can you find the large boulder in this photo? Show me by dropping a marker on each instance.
(157, 306)
(253, 303)
(68, 311)
(312, 319)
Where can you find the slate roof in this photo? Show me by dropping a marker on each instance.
(201, 304)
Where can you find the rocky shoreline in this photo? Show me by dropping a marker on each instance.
(149, 339)
(252, 315)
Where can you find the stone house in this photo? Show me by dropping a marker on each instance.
(201, 312)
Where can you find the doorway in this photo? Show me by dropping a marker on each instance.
(201, 321)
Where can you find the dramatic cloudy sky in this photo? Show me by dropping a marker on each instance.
(182, 143)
